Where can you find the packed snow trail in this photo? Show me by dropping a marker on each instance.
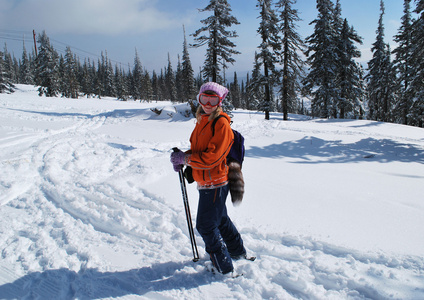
(91, 208)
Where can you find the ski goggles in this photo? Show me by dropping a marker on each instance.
(207, 99)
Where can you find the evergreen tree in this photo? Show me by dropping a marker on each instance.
(220, 48)
(94, 83)
(269, 50)
(188, 89)
(120, 84)
(292, 46)
(403, 65)
(170, 82)
(416, 89)
(100, 77)
(97, 80)
(47, 67)
(105, 76)
(235, 92)
(349, 81)
(255, 87)
(227, 105)
(243, 93)
(110, 89)
(70, 84)
(148, 89)
(137, 78)
(178, 81)
(337, 17)
(32, 64)
(87, 79)
(25, 72)
(61, 74)
(9, 66)
(16, 69)
(321, 80)
(163, 90)
(126, 82)
(6, 84)
(94, 77)
(380, 76)
(155, 86)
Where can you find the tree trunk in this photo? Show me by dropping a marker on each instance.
(267, 92)
(286, 81)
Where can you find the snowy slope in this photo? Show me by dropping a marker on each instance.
(90, 206)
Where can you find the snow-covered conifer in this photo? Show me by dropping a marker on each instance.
(155, 86)
(380, 77)
(220, 48)
(268, 56)
(188, 88)
(322, 59)
(86, 79)
(255, 89)
(137, 78)
(170, 82)
(148, 89)
(350, 86)
(403, 64)
(6, 84)
(110, 89)
(292, 48)
(120, 84)
(47, 67)
(235, 92)
(25, 72)
(416, 90)
(70, 86)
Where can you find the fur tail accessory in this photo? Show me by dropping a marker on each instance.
(236, 182)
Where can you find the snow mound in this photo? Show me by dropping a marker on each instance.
(176, 112)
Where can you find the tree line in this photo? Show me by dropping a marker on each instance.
(286, 68)
(67, 76)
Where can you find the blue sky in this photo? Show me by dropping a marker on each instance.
(155, 27)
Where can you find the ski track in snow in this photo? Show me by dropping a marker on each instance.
(79, 220)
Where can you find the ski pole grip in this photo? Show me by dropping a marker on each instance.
(175, 149)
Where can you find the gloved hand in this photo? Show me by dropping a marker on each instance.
(178, 160)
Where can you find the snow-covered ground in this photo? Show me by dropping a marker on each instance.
(91, 208)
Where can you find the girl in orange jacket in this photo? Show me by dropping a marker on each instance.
(207, 157)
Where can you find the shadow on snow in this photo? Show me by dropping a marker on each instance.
(92, 284)
(308, 149)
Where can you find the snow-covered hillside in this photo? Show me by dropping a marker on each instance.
(91, 208)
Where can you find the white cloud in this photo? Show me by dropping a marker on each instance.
(110, 17)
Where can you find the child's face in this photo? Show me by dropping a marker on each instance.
(209, 109)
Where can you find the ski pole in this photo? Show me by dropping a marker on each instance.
(188, 214)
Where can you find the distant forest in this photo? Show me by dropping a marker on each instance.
(287, 69)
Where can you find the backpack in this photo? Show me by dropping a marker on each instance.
(234, 161)
(237, 149)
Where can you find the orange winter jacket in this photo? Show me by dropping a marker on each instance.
(208, 153)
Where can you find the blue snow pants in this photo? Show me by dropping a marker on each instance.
(221, 237)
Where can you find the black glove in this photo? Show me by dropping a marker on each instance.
(188, 174)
